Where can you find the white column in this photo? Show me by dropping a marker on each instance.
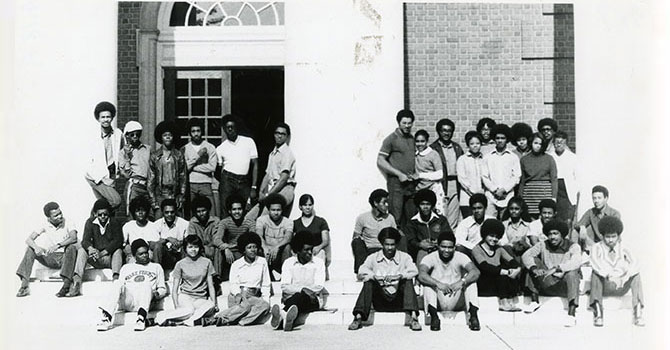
(344, 85)
(65, 58)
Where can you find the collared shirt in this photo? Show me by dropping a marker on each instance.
(592, 217)
(449, 272)
(616, 262)
(49, 235)
(271, 233)
(312, 273)
(367, 228)
(201, 172)
(398, 148)
(417, 230)
(205, 232)
(101, 226)
(109, 148)
(177, 230)
(235, 157)
(502, 170)
(515, 232)
(567, 255)
(132, 231)
(228, 231)
(468, 231)
(470, 175)
(98, 169)
(429, 167)
(250, 275)
(281, 160)
(535, 229)
(401, 264)
(136, 164)
(566, 169)
(488, 147)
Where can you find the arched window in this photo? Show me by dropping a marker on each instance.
(227, 13)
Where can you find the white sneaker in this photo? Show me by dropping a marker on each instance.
(570, 321)
(532, 307)
(291, 315)
(104, 325)
(276, 321)
(140, 325)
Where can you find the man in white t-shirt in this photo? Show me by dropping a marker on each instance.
(53, 245)
(140, 227)
(172, 230)
(140, 286)
(451, 281)
(237, 157)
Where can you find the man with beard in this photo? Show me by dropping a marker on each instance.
(449, 152)
(200, 157)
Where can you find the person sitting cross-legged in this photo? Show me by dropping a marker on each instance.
(450, 280)
(140, 285)
(554, 268)
(53, 245)
(302, 280)
(248, 301)
(387, 277)
(615, 271)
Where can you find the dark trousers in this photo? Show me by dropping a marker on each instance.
(565, 210)
(566, 287)
(601, 286)
(305, 301)
(361, 252)
(167, 258)
(224, 266)
(65, 261)
(233, 184)
(495, 285)
(283, 254)
(401, 200)
(465, 211)
(372, 295)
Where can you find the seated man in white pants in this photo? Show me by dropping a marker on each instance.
(450, 278)
(248, 301)
(140, 284)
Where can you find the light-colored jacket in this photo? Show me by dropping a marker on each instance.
(97, 167)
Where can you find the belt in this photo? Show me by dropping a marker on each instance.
(233, 175)
(138, 181)
(452, 177)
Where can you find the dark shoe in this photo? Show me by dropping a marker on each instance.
(291, 315)
(23, 292)
(75, 290)
(209, 321)
(474, 323)
(435, 323)
(356, 324)
(63, 291)
(168, 323)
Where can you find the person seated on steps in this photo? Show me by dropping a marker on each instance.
(387, 277)
(53, 245)
(449, 277)
(615, 271)
(140, 286)
(302, 280)
(248, 300)
(553, 267)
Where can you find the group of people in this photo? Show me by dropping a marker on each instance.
(454, 224)
(493, 221)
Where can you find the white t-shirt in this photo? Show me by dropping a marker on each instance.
(450, 272)
(132, 231)
(235, 156)
(49, 235)
(177, 231)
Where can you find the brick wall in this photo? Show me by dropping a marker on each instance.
(128, 77)
(469, 61)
